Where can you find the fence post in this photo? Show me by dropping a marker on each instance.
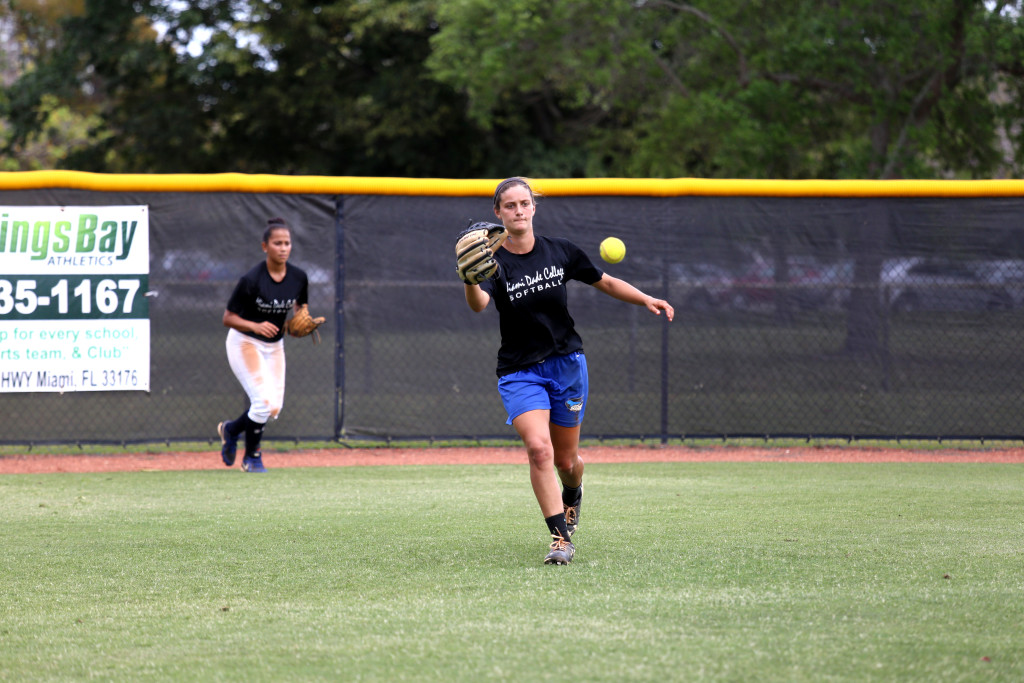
(664, 359)
(339, 316)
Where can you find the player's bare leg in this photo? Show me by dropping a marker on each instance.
(533, 429)
(568, 463)
(569, 466)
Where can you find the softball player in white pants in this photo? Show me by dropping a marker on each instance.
(256, 314)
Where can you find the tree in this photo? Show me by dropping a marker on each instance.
(464, 88)
(805, 89)
(53, 129)
(289, 87)
(559, 86)
(62, 133)
(342, 90)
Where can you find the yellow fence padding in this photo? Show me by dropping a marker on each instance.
(447, 187)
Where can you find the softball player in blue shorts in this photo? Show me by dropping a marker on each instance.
(542, 370)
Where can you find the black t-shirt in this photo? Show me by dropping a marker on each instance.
(258, 298)
(530, 295)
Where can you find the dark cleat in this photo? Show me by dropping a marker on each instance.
(228, 446)
(253, 463)
(561, 551)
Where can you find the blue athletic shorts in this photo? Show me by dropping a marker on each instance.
(558, 384)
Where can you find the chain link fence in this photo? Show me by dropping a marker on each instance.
(808, 317)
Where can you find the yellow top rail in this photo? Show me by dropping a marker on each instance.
(646, 187)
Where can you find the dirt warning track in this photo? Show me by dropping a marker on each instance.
(353, 457)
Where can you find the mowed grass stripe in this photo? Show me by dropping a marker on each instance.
(710, 571)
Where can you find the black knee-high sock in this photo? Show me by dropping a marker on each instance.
(237, 426)
(571, 496)
(253, 434)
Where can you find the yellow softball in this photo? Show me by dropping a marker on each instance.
(613, 249)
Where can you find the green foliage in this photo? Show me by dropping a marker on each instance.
(560, 81)
(714, 571)
(63, 132)
(290, 88)
(468, 88)
(838, 90)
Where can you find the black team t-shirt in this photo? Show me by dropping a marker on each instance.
(258, 298)
(530, 295)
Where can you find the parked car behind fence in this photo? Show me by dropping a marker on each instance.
(706, 286)
(758, 286)
(1006, 273)
(919, 284)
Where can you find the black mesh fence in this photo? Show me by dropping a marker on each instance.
(810, 317)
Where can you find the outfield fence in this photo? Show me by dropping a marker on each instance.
(857, 310)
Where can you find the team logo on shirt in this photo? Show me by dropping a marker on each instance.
(274, 306)
(528, 284)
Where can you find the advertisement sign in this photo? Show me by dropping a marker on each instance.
(74, 315)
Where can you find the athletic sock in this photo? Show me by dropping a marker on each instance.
(235, 427)
(571, 496)
(253, 434)
(556, 525)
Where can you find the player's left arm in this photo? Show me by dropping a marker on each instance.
(623, 291)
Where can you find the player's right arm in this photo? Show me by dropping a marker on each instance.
(477, 298)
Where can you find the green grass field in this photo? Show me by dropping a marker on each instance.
(720, 571)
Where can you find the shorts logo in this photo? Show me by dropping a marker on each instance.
(575, 405)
